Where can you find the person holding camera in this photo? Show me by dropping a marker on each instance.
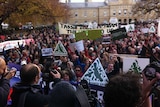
(5, 76)
(126, 90)
(28, 93)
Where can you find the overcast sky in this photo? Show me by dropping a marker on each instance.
(83, 0)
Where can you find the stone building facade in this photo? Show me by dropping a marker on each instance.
(101, 12)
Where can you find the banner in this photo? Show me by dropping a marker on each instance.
(71, 29)
(11, 44)
(14, 43)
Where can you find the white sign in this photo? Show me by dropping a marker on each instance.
(152, 29)
(95, 74)
(60, 50)
(71, 29)
(129, 27)
(47, 52)
(11, 44)
(135, 64)
(79, 46)
(158, 33)
(145, 30)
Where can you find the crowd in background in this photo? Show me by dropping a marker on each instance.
(73, 66)
(146, 45)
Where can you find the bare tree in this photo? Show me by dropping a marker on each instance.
(147, 7)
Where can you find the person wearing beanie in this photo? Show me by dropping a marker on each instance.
(63, 94)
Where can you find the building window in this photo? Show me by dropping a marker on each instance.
(94, 14)
(125, 21)
(85, 13)
(119, 12)
(125, 11)
(75, 14)
(130, 20)
(120, 21)
(105, 13)
(114, 12)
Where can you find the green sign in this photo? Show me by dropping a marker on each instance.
(88, 34)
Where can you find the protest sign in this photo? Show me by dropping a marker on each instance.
(158, 33)
(94, 34)
(71, 29)
(134, 64)
(152, 29)
(79, 46)
(129, 27)
(144, 30)
(47, 51)
(118, 34)
(106, 40)
(60, 50)
(81, 36)
(95, 74)
(11, 44)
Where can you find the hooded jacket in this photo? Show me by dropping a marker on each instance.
(34, 97)
(4, 91)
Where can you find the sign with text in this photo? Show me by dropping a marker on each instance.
(71, 29)
(47, 52)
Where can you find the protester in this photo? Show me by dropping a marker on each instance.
(5, 76)
(126, 90)
(27, 93)
(48, 38)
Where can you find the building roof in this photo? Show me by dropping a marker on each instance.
(87, 5)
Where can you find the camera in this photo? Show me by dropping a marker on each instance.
(150, 73)
(151, 69)
(47, 76)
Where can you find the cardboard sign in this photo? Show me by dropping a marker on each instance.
(60, 50)
(95, 74)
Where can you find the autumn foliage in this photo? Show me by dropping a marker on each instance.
(36, 11)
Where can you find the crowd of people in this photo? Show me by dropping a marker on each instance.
(72, 67)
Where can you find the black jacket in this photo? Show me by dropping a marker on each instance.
(34, 97)
(4, 91)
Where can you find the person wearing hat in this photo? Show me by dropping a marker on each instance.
(5, 76)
